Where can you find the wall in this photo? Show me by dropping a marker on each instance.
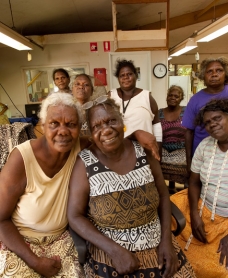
(13, 61)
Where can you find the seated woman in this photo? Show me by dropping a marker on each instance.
(34, 241)
(173, 162)
(204, 204)
(119, 203)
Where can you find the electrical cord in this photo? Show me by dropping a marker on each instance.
(18, 109)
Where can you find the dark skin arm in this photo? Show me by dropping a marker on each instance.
(147, 141)
(197, 224)
(123, 260)
(12, 187)
(154, 109)
(223, 248)
(166, 252)
(189, 134)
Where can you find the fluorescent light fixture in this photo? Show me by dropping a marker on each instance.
(183, 47)
(169, 58)
(29, 56)
(13, 39)
(214, 30)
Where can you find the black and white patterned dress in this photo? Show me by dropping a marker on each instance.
(124, 208)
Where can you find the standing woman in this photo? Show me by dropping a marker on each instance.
(82, 91)
(82, 88)
(214, 73)
(173, 162)
(138, 107)
(62, 80)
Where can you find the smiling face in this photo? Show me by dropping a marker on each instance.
(61, 127)
(61, 81)
(82, 89)
(106, 128)
(216, 124)
(174, 98)
(214, 75)
(127, 79)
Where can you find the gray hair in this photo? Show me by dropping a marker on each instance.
(57, 99)
(176, 88)
(222, 60)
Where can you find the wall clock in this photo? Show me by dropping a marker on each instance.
(160, 70)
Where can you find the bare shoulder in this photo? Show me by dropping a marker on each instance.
(13, 174)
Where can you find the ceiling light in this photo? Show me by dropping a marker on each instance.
(214, 30)
(29, 56)
(183, 47)
(13, 39)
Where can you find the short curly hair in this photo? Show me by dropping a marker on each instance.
(122, 64)
(222, 60)
(213, 105)
(109, 101)
(176, 88)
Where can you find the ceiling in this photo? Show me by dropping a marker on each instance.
(43, 17)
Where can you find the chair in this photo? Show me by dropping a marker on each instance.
(12, 135)
(80, 243)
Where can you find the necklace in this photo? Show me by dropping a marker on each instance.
(125, 107)
(206, 187)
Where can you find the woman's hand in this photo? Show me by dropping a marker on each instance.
(167, 259)
(147, 141)
(47, 267)
(197, 225)
(223, 248)
(124, 261)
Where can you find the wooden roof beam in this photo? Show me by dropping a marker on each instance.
(138, 1)
(188, 19)
(198, 15)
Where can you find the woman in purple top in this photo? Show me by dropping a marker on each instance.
(214, 73)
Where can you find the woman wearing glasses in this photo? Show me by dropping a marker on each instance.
(119, 203)
(138, 107)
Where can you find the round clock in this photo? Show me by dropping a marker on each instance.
(160, 70)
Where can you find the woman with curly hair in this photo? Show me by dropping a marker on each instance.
(214, 73)
(205, 202)
(138, 107)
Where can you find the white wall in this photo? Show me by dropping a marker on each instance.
(13, 61)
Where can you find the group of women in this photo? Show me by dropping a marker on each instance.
(121, 209)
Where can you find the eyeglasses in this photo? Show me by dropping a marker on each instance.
(91, 103)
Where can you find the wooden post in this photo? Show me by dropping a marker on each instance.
(114, 26)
